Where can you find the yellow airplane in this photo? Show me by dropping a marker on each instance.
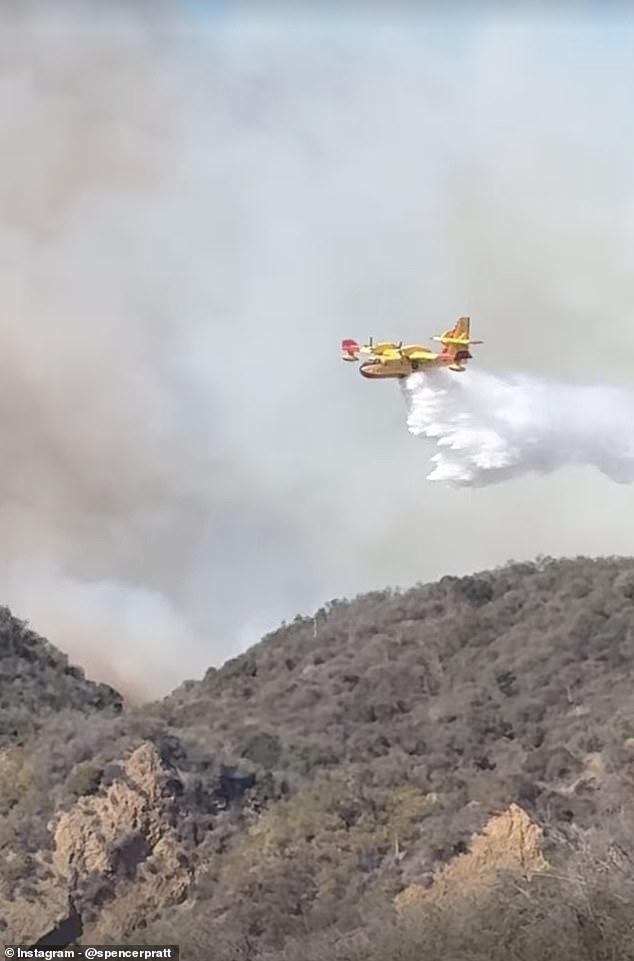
(395, 360)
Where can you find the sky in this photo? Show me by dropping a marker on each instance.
(196, 207)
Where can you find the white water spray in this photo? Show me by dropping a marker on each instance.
(491, 428)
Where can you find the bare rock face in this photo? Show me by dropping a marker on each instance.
(30, 920)
(510, 843)
(117, 861)
(120, 853)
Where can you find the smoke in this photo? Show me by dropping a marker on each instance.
(107, 625)
(491, 428)
(193, 213)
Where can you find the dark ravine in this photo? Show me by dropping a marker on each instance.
(66, 932)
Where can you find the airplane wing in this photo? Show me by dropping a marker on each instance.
(385, 347)
(418, 353)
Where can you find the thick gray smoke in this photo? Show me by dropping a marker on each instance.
(490, 428)
(194, 212)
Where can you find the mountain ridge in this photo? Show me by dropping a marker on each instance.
(344, 759)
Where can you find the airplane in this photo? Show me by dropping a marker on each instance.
(395, 360)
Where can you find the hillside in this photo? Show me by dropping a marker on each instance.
(302, 789)
(37, 682)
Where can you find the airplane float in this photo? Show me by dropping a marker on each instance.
(395, 360)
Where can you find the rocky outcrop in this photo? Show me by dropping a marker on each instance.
(119, 852)
(117, 861)
(32, 920)
(511, 843)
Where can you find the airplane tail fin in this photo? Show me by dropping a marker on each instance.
(459, 336)
(350, 349)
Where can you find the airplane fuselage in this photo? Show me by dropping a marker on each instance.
(378, 368)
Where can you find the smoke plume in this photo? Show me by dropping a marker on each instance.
(195, 208)
(491, 428)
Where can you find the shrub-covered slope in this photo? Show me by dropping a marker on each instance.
(37, 681)
(397, 722)
(350, 754)
(514, 675)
